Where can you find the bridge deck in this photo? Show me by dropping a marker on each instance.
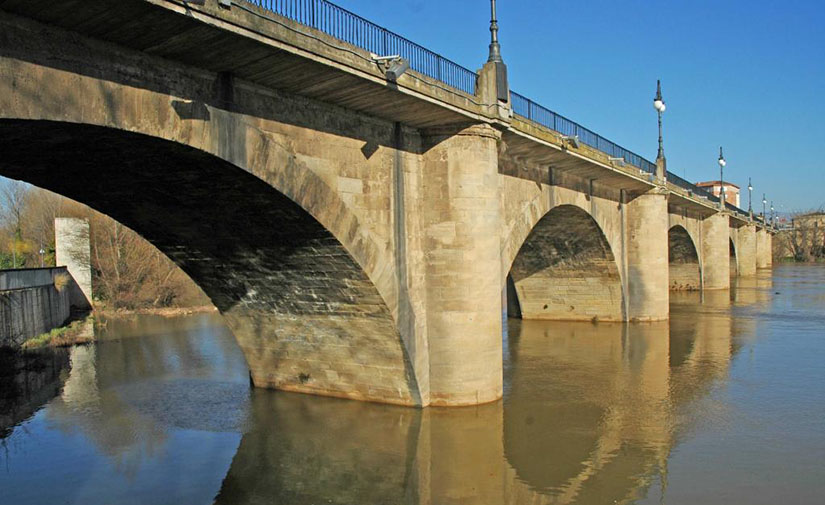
(293, 54)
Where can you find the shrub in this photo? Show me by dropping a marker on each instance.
(61, 281)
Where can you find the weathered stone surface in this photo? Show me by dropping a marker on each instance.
(746, 250)
(764, 256)
(683, 268)
(566, 270)
(716, 251)
(249, 206)
(355, 234)
(647, 256)
(461, 221)
(72, 250)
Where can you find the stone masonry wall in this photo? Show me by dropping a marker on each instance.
(565, 270)
(683, 261)
(684, 276)
(279, 207)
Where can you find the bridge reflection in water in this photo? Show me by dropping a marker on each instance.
(591, 413)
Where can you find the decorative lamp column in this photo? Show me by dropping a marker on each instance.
(750, 194)
(659, 105)
(764, 216)
(493, 86)
(495, 47)
(722, 164)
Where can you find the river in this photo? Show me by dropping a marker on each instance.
(725, 403)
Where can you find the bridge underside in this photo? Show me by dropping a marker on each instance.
(566, 270)
(303, 311)
(683, 261)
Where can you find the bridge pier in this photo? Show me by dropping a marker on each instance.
(716, 251)
(747, 250)
(763, 249)
(647, 256)
(461, 222)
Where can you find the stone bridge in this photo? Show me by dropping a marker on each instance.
(357, 233)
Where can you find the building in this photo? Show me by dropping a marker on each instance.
(715, 187)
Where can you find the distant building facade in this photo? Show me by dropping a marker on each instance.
(715, 187)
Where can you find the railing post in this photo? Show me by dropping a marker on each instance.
(313, 13)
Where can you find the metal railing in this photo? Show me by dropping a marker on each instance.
(689, 186)
(352, 28)
(532, 111)
(703, 193)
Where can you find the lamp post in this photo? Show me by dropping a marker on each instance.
(659, 105)
(495, 47)
(722, 164)
(42, 252)
(750, 192)
(773, 215)
(764, 202)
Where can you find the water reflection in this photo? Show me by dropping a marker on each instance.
(591, 414)
(126, 394)
(139, 414)
(27, 382)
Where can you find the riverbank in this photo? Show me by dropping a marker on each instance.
(154, 311)
(78, 332)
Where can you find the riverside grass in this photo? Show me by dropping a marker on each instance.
(63, 336)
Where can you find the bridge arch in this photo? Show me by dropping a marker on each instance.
(565, 269)
(734, 260)
(279, 147)
(684, 267)
(292, 282)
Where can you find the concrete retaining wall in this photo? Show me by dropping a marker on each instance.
(30, 304)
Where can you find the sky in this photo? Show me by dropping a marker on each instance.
(745, 75)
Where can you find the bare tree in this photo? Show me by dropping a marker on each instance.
(804, 240)
(127, 271)
(13, 199)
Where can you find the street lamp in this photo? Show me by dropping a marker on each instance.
(42, 252)
(764, 202)
(750, 192)
(722, 164)
(495, 47)
(773, 215)
(659, 105)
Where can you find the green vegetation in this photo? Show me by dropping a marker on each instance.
(63, 336)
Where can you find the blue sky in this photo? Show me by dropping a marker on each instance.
(747, 75)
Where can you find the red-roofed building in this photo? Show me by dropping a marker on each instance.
(715, 187)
